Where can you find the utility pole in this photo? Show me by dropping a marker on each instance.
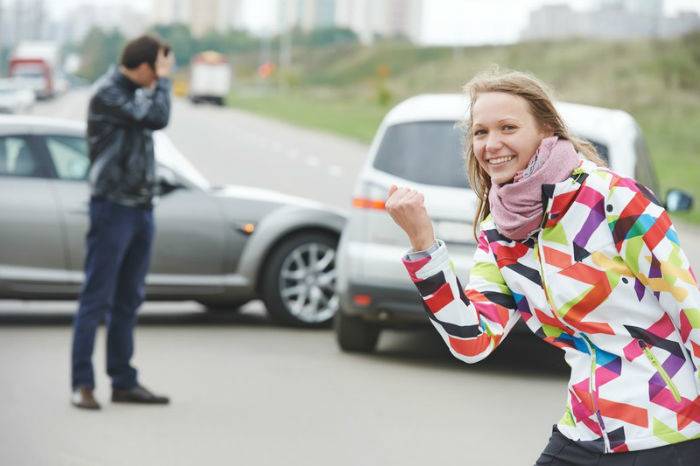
(285, 57)
(285, 50)
(6, 34)
(2, 38)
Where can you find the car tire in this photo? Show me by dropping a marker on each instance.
(355, 335)
(298, 280)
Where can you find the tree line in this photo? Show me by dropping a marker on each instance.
(100, 49)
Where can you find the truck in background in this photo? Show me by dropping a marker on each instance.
(37, 65)
(210, 77)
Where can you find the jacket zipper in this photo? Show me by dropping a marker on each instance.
(591, 380)
(594, 391)
(660, 369)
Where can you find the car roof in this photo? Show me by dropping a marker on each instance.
(585, 120)
(35, 124)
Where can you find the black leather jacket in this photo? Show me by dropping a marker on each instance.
(121, 119)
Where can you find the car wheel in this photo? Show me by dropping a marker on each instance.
(355, 335)
(298, 282)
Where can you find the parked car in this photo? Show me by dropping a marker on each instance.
(220, 246)
(419, 144)
(15, 96)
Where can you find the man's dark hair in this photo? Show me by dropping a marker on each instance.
(143, 49)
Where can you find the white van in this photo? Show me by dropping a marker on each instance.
(420, 144)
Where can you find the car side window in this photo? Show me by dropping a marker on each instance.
(17, 158)
(428, 152)
(69, 155)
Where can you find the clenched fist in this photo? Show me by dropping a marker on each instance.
(406, 208)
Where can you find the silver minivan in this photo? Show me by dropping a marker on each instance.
(420, 144)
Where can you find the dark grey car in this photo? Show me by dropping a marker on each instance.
(220, 246)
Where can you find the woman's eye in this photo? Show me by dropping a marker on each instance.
(508, 127)
(479, 132)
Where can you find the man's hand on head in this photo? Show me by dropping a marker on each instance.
(164, 63)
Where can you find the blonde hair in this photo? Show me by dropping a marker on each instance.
(541, 107)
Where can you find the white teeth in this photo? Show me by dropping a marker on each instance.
(501, 159)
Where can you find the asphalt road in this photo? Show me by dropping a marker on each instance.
(248, 393)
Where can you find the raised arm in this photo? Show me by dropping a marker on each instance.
(471, 321)
(152, 112)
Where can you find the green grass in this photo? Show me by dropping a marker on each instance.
(673, 140)
(357, 119)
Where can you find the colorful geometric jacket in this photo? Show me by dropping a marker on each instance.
(606, 281)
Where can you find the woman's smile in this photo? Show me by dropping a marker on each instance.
(500, 160)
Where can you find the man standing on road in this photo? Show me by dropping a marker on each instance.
(127, 107)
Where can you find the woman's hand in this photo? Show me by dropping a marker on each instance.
(406, 208)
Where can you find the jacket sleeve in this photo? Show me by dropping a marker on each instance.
(648, 243)
(471, 321)
(152, 112)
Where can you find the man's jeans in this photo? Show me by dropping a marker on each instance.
(118, 255)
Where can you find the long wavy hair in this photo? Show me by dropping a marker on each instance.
(541, 106)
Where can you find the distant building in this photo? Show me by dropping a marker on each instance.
(171, 11)
(611, 19)
(683, 23)
(386, 18)
(79, 20)
(306, 15)
(23, 20)
(554, 22)
(201, 16)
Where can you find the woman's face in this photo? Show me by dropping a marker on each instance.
(505, 135)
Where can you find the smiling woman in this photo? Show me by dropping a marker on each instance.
(591, 262)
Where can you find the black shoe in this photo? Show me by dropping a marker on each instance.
(138, 394)
(84, 398)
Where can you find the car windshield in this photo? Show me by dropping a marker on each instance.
(28, 70)
(168, 155)
(428, 152)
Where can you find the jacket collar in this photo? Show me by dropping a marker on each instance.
(557, 198)
(124, 82)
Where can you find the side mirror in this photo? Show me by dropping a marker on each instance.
(678, 201)
(167, 180)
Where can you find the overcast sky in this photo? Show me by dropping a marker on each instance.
(444, 21)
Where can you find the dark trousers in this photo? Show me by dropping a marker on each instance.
(560, 451)
(118, 255)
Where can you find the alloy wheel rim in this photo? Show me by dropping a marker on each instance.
(307, 282)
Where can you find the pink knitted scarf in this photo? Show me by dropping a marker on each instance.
(517, 207)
